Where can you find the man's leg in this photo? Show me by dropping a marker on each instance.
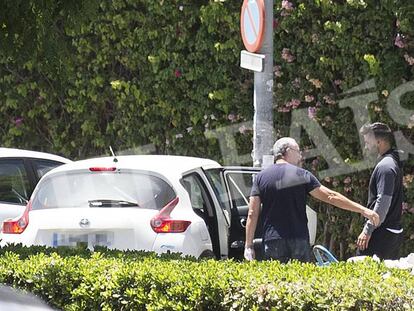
(276, 250)
(300, 249)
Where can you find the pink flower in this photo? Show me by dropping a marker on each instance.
(177, 73)
(328, 100)
(347, 189)
(335, 183)
(327, 179)
(409, 59)
(294, 103)
(231, 117)
(316, 83)
(347, 180)
(287, 55)
(243, 129)
(286, 5)
(283, 109)
(399, 41)
(309, 98)
(311, 112)
(405, 206)
(338, 82)
(17, 121)
(277, 70)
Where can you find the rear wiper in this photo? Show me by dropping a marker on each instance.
(112, 203)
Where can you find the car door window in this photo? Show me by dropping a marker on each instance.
(240, 185)
(43, 166)
(217, 182)
(198, 198)
(14, 183)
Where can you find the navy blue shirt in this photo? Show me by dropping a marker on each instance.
(283, 190)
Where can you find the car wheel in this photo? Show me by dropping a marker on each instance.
(207, 254)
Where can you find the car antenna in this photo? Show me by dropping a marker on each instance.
(113, 153)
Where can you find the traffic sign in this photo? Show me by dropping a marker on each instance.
(252, 24)
(252, 61)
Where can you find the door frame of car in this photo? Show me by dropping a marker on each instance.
(218, 225)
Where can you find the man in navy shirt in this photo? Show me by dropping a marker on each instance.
(385, 195)
(283, 189)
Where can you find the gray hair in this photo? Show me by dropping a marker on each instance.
(281, 145)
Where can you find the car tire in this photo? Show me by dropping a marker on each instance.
(207, 254)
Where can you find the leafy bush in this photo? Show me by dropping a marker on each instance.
(77, 279)
(155, 76)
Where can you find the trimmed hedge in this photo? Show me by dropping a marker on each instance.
(76, 279)
(154, 76)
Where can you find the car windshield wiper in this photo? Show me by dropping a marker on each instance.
(112, 203)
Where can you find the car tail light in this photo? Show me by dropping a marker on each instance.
(170, 225)
(102, 169)
(17, 226)
(162, 223)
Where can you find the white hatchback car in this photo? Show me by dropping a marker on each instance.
(154, 203)
(20, 170)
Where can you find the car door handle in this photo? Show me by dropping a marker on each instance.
(243, 222)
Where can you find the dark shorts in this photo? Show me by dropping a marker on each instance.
(287, 249)
(384, 244)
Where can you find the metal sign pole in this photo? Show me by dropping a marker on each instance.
(263, 131)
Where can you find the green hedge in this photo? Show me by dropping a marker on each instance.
(153, 76)
(111, 280)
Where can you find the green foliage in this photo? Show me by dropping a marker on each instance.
(154, 76)
(77, 279)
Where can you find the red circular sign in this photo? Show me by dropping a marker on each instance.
(252, 24)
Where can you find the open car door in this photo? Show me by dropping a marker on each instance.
(239, 181)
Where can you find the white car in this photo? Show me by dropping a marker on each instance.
(154, 203)
(20, 170)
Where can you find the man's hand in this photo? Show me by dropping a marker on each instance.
(249, 253)
(363, 240)
(372, 216)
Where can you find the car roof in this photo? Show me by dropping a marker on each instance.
(163, 164)
(20, 153)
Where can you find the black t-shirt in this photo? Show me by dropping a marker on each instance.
(283, 190)
(386, 191)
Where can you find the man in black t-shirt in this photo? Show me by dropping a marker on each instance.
(385, 195)
(283, 189)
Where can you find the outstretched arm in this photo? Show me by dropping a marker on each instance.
(327, 195)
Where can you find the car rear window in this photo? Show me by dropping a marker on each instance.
(103, 189)
(14, 182)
